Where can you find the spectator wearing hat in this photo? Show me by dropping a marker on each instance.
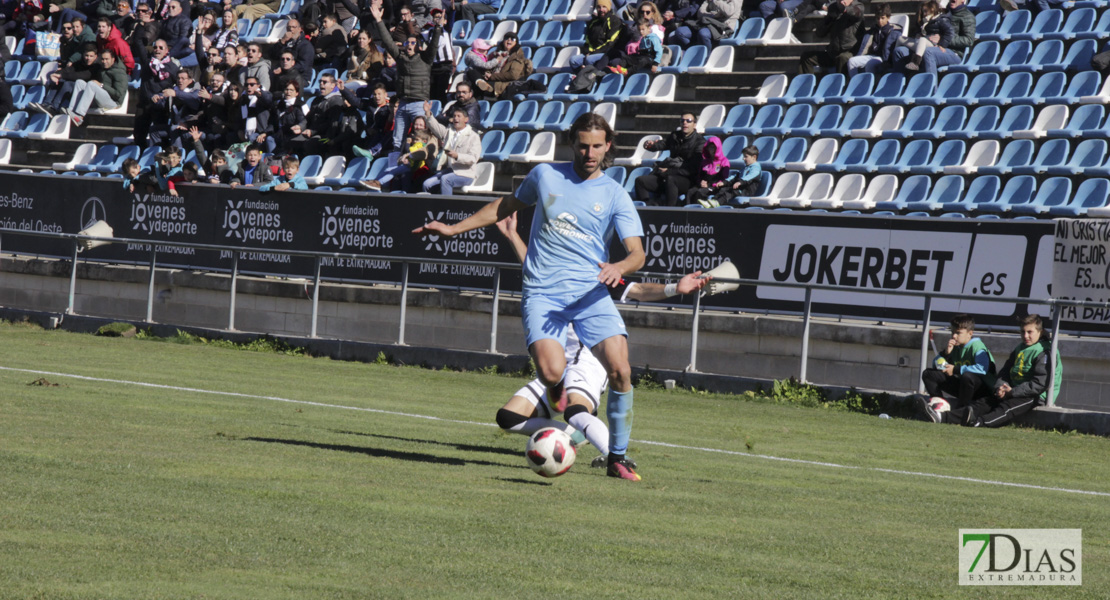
(516, 68)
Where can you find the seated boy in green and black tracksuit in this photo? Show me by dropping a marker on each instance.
(965, 370)
(1022, 383)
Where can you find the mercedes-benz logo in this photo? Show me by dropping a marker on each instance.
(92, 211)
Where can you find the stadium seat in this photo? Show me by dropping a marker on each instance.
(982, 154)
(548, 37)
(132, 151)
(544, 59)
(105, 156)
(980, 190)
(982, 54)
(14, 123)
(768, 116)
(524, 117)
(858, 87)
(541, 149)
(849, 188)
(1051, 153)
(1015, 56)
(738, 117)
(787, 185)
(749, 29)
(491, 144)
(950, 118)
(919, 86)
(773, 86)
(5, 151)
(817, 187)
(1078, 57)
(1015, 153)
(618, 174)
(950, 86)
(568, 10)
(880, 189)
(913, 189)
(1054, 190)
(662, 89)
(766, 145)
(1099, 31)
(1084, 122)
(500, 112)
(946, 188)
(483, 179)
(607, 111)
(793, 149)
(821, 151)
(1018, 190)
(639, 155)
(851, 153)
(29, 74)
(695, 56)
(985, 23)
(57, 128)
(883, 152)
(984, 118)
(712, 115)
(633, 175)
(1046, 22)
(551, 113)
(764, 189)
(948, 153)
(608, 89)
(982, 86)
(1050, 117)
(574, 34)
(636, 86)
(887, 118)
(575, 110)
(826, 117)
(856, 117)
(777, 33)
(801, 86)
(796, 117)
(1091, 194)
(1015, 118)
(1081, 85)
(355, 172)
(828, 86)
(888, 89)
(310, 166)
(1014, 22)
(733, 146)
(1089, 154)
(720, 60)
(916, 152)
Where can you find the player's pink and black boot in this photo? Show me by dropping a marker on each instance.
(621, 467)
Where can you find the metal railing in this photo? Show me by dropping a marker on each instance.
(807, 317)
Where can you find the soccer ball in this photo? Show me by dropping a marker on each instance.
(550, 452)
(939, 404)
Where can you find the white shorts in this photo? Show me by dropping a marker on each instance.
(585, 376)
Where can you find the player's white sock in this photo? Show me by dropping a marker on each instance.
(592, 427)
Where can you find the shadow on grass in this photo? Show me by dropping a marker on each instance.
(463, 447)
(519, 480)
(381, 453)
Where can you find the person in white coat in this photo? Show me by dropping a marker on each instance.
(461, 147)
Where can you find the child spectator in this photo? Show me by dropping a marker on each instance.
(744, 183)
(289, 164)
(714, 172)
(876, 52)
(1022, 384)
(251, 171)
(643, 56)
(216, 168)
(964, 371)
(411, 164)
(131, 172)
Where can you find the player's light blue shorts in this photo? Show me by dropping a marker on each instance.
(594, 315)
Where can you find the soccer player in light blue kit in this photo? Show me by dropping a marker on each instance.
(567, 269)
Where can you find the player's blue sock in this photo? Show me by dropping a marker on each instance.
(618, 410)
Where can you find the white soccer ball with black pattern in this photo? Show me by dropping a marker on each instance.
(550, 452)
(939, 404)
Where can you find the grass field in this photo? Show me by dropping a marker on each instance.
(113, 490)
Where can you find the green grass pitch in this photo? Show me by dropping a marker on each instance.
(114, 490)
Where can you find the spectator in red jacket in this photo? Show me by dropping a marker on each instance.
(108, 37)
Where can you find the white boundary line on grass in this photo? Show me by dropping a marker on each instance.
(483, 424)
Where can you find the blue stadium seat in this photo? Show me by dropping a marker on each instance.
(575, 110)
(1015, 22)
(524, 117)
(606, 90)
(558, 85)
(618, 174)
(982, 86)
(949, 153)
(36, 123)
(635, 174)
(915, 153)
(694, 56)
(11, 69)
(980, 190)
(749, 29)
(1016, 118)
(801, 86)
(507, 7)
(550, 116)
(1100, 31)
(550, 35)
(793, 149)
(1015, 56)
(29, 73)
(984, 118)
(130, 151)
(919, 86)
(1018, 190)
(766, 145)
(950, 86)
(355, 172)
(856, 117)
(1015, 153)
(946, 188)
(1092, 193)
(1078, 58)
(19, 94)
(500, 112)
(913, 189)
(883, 152)
(888, 89)
(1084, 122)
(574, 34)
(738, 116)
(828, 86)
(1051, 153)
(1046, 22)
(918, 119)
(556, 7)
(491, 144)
(732, 147)
(985, 23)
(796, 117)
(528, 33)
(859, 86)
(310, 166)
(544, 58)
(516, 143)
(637, 85)
(768, 116)
(260, 28)
(826, 117)
(950, 118)
(533, 9)
(852, 152)
(105, 156)
(1055, 190)
(982, 54)
(481, 29)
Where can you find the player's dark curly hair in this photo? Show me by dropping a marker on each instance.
(592, 120)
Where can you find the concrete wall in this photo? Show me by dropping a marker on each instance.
(865, 355)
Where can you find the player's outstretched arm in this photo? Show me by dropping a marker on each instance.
(486, 216)
(652, 292)
(611, 273)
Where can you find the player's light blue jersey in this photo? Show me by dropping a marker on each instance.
(572, 228)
